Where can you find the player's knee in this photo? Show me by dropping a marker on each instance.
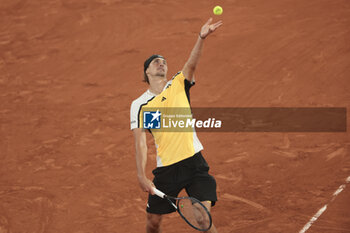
(202, 218)
(153, 221)
(203, 222)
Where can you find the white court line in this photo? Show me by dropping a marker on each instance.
(318, 214)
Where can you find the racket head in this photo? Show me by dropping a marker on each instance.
(194, 213)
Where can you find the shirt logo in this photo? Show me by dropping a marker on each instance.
(163, 98)
(151, 119)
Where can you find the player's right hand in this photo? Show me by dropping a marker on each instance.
(146, 185)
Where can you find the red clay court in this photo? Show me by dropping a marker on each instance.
(70, 69)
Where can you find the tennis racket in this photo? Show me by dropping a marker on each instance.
(190, 209)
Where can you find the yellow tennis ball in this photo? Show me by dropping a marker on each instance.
(218, 10)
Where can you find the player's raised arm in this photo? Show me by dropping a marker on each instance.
(190, 66)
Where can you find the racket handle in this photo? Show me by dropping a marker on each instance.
(158, 193)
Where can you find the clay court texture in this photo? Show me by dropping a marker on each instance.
(69, 71)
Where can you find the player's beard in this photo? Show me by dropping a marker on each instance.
(160, 75)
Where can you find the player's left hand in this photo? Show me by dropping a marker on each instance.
(209, 28)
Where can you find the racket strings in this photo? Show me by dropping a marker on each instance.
(194, 213)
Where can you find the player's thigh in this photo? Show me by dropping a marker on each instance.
(203, 188)
(207, 204)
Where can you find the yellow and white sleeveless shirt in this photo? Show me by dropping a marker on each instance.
(172, 147)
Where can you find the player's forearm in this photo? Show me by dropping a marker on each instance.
(195, 54)
(141, 160)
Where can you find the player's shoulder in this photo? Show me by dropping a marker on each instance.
(144, 98)
(177, 75)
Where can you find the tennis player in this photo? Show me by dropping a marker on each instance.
(180, 164)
